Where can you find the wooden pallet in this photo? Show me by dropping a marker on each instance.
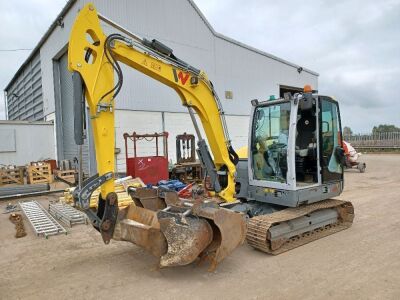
(11, 175)
(40, 173)
(67, 175)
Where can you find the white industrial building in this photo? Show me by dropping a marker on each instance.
(42, 87)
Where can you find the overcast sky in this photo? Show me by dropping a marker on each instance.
(353, 45)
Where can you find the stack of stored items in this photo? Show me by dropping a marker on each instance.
(67, 214)
(39, 172)
(13, 190)
(130, 182)
(52, 162)
(192, 190)
(66, 175)
(11, 175)
(42, 222)
(172, 185)
(121, 187)
(66, 172)
(123, 198)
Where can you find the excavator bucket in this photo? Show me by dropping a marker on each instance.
(187, 238)
(141, 227)
(229, 231)
(208, 232)
(179, 235)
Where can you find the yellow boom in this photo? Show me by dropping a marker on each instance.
(94, 56)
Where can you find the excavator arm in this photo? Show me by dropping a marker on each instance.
(94, 59)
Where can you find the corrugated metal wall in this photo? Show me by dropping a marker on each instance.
(176, 23)
(70, 149)
(24, 95)
(231, 66)
(250, 75)
(174, 124)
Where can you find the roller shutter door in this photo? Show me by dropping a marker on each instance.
(70, 149)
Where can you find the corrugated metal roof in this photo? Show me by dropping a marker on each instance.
(233, 41)
(17, 122)
(42, 40)
(70, 3)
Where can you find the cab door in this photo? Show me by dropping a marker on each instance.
(330, 130)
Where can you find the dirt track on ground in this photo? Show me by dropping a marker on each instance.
(362, 262)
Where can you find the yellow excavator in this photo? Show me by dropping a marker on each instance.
(278, 197)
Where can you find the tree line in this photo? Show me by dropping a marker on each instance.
(377, 129)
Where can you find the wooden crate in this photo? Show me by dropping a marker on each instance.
(40, 173)
(124, 199)
(67, 175)
(11, 175)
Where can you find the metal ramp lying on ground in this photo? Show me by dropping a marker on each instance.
(67, 214)
(42, 222)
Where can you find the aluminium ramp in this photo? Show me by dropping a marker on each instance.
(42, 222)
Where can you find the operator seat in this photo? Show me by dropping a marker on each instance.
(306, 126)
(306, 139)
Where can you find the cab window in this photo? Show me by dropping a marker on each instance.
(330, 136)
(269, 142)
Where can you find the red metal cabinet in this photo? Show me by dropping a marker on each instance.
(150, 169)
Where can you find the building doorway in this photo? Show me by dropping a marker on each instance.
(288, 89)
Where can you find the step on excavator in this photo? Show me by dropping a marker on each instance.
(278, 197)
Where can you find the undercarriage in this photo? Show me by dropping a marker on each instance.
(180, 231)
(292, 227)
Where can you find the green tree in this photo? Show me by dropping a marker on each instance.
(347, 131)
(385, 128)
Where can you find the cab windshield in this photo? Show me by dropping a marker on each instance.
(269, 142)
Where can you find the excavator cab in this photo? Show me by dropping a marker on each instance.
(294, 167)
(294, 151)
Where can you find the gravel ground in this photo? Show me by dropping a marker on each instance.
(362, 262)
